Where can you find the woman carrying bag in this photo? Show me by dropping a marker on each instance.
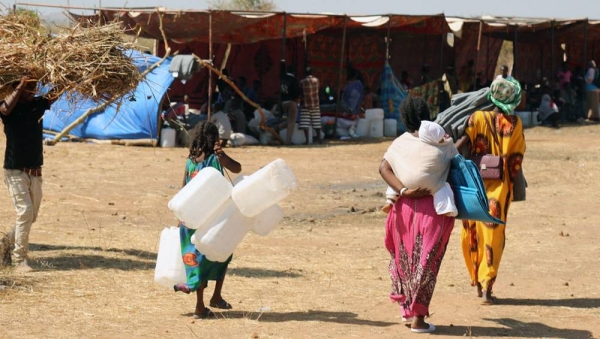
(497, 132)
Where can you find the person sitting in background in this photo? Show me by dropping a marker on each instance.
(569, 108)
(237, 116)
(368, 98)
(504, 73)
(172, 114)
(253, 94)
(548, 109)
(221, 120)
(352, 93)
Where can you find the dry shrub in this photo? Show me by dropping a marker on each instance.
(88, 60)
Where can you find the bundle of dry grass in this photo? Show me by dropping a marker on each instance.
(89, 60)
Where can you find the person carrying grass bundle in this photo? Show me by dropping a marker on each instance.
(205, 151)
(21, 112)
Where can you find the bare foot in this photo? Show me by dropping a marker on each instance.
(488, 298)
(479, 291)
(203, 313)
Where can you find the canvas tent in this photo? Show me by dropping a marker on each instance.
(260, 40)
(136, 118)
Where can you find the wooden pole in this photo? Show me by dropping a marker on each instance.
(387, 40)
(478, 49)
(443, 43)
(339, 84)
(487, 59)
(210, 58)
(585, 42)
(515, 51)
(283, 57)
(552, 56)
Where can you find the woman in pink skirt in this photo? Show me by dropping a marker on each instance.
(416, 236)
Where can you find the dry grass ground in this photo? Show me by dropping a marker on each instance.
(322, 273)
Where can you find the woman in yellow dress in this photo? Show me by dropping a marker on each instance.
(502, 134)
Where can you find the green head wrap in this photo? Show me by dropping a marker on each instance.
(506, 94)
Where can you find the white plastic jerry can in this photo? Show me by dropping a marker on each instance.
(169, 269)
(197, 201)
(224, 233)
(264, 188)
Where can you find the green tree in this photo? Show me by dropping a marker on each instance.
(244, 5)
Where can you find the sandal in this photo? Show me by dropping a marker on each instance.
(223, 305)
(429, 329)
(204, 315)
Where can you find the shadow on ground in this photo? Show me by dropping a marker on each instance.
(132, 252)
(247, 272)
(72, 258)
(571, 302)
(512, 328)
(320, 316)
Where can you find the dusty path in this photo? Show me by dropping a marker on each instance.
(322, 274)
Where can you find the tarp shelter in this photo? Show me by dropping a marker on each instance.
(136, 118)
(260, 40)
(539, 45)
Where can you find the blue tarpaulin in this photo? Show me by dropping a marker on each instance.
(392, 95)
(136, 118)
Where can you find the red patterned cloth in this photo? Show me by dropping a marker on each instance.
(310, 91)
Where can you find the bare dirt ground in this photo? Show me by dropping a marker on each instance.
(322, 273)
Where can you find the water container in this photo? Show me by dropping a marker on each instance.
(363, 127)
(525, 117)
(264, 188)
(342, 132)
(197, 201)
(224, 234)
(376, 130)
(267, 220)
(167, 137)
(298, 138)
(374, 114)
(169, 264)
(390, 128)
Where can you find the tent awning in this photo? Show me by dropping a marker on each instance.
(251, 27)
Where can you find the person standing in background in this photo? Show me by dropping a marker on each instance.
(592, 92)
(290, 97)
(310, 114)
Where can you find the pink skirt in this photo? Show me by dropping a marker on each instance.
(416, 237)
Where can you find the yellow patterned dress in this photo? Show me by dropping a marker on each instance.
(483, 243)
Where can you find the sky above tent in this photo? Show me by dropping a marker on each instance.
(530, 8)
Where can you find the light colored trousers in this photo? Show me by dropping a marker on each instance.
(26, 193)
